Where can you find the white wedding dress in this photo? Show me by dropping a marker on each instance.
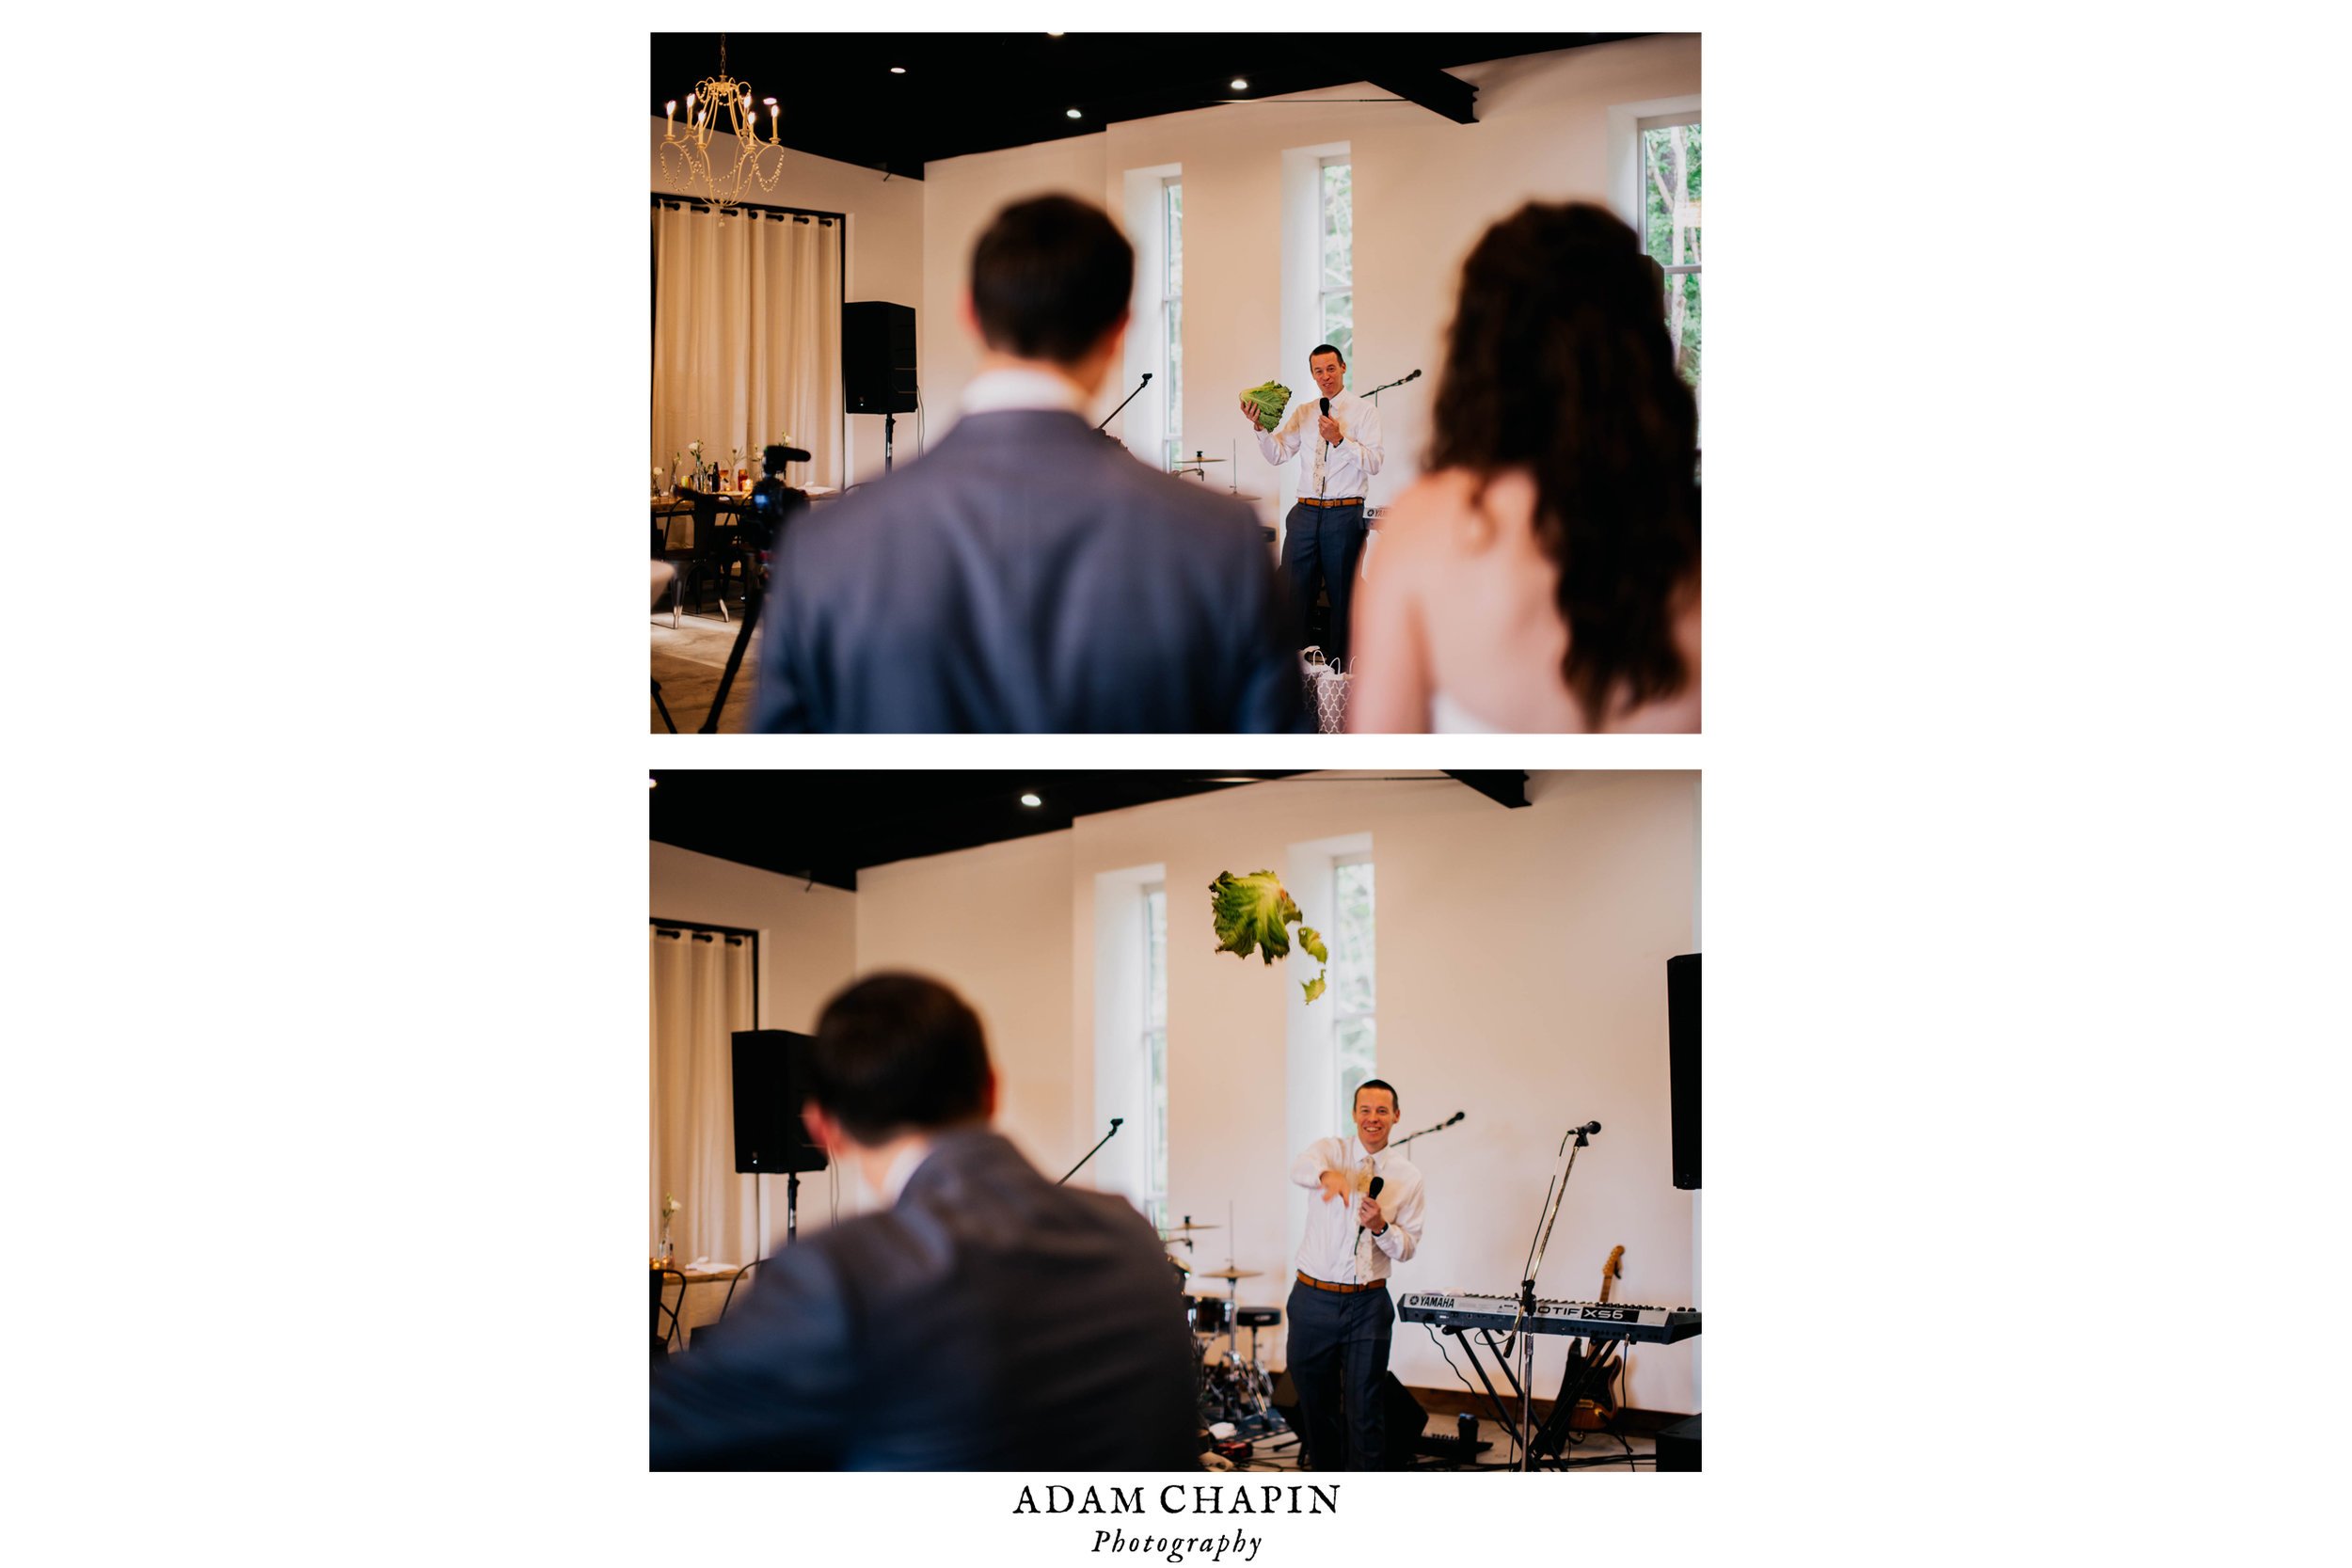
(1448, 717)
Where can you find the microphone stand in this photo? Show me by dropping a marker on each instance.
(1398, 382)
(1107, 1137)
(1114, 414)
(1399, 1143)
(1553, 1194)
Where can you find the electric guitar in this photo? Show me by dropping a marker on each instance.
(1597, 1411)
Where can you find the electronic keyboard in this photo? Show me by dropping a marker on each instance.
(1591, 1320)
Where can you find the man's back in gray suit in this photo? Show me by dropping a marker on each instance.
(1028, 575)
(989, 1321)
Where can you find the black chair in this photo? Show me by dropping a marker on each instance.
(702, 1331)
(713, 557)
(677, 1331)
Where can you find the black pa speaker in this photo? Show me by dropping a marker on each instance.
(878, 356)
(1402, 1422)
(769, 1137)
(1683, 1051)
(1678, 1444)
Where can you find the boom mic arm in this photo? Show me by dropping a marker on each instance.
(1442, 1127)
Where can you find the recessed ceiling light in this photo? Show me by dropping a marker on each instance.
(1072, 113)
(897, 71)
(1031, 800)
(1240, 85)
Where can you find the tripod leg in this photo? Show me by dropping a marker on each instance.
(752, 595)
(663, 709)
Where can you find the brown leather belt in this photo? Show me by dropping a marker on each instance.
(1306, 1279)
(1343, 501)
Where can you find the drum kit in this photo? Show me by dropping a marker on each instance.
(1231, 1387)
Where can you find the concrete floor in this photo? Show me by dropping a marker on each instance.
(689, 661)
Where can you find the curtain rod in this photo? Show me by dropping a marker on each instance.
(703, 205)
(702, 926)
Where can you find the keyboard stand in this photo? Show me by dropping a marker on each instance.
(1510, 1423)
(1551, 1440)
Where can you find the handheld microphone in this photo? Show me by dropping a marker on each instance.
(1377, 1182)
(1588, 1129)
(1458, 1115)
(1116, 1121)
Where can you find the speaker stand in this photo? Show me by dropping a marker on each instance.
(890, 430)
(791, 1206)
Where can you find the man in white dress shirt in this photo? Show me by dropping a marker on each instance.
(1341, 1315)
(1323, 534)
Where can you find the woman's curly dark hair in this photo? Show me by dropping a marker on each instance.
(1559, 361)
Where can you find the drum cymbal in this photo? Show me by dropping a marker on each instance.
(1182, 1267)
(1232, 1273)
(1172, 1229)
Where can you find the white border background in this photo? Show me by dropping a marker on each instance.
(2024, 832)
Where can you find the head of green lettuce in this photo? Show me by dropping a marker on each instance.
(1271, 397)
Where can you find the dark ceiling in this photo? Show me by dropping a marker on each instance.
(976, 92)
(826, 826)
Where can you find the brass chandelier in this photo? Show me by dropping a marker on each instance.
(688, 158)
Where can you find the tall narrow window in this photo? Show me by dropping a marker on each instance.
(1355, 1018)
(1172, 317)
(1670, 226)
(1339, 252)
(1155, 1048)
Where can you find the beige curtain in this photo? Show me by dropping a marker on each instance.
(747, 338)
(702, 995)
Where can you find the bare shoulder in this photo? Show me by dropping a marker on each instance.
(1415, 524)
(1432, 498)
(1457, 512)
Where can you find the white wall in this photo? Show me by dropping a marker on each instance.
(807, 948)
(1425, 189)
(885, 251)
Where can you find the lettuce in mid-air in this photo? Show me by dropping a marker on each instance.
(1253, 914)
(1271, 397)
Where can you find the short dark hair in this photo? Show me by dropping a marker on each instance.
(1049, 277)
(1394, 1103)
(1326, 348)
(896, 1053)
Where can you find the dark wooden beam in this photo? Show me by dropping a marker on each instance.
(1507, 788)
(1433, 89)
